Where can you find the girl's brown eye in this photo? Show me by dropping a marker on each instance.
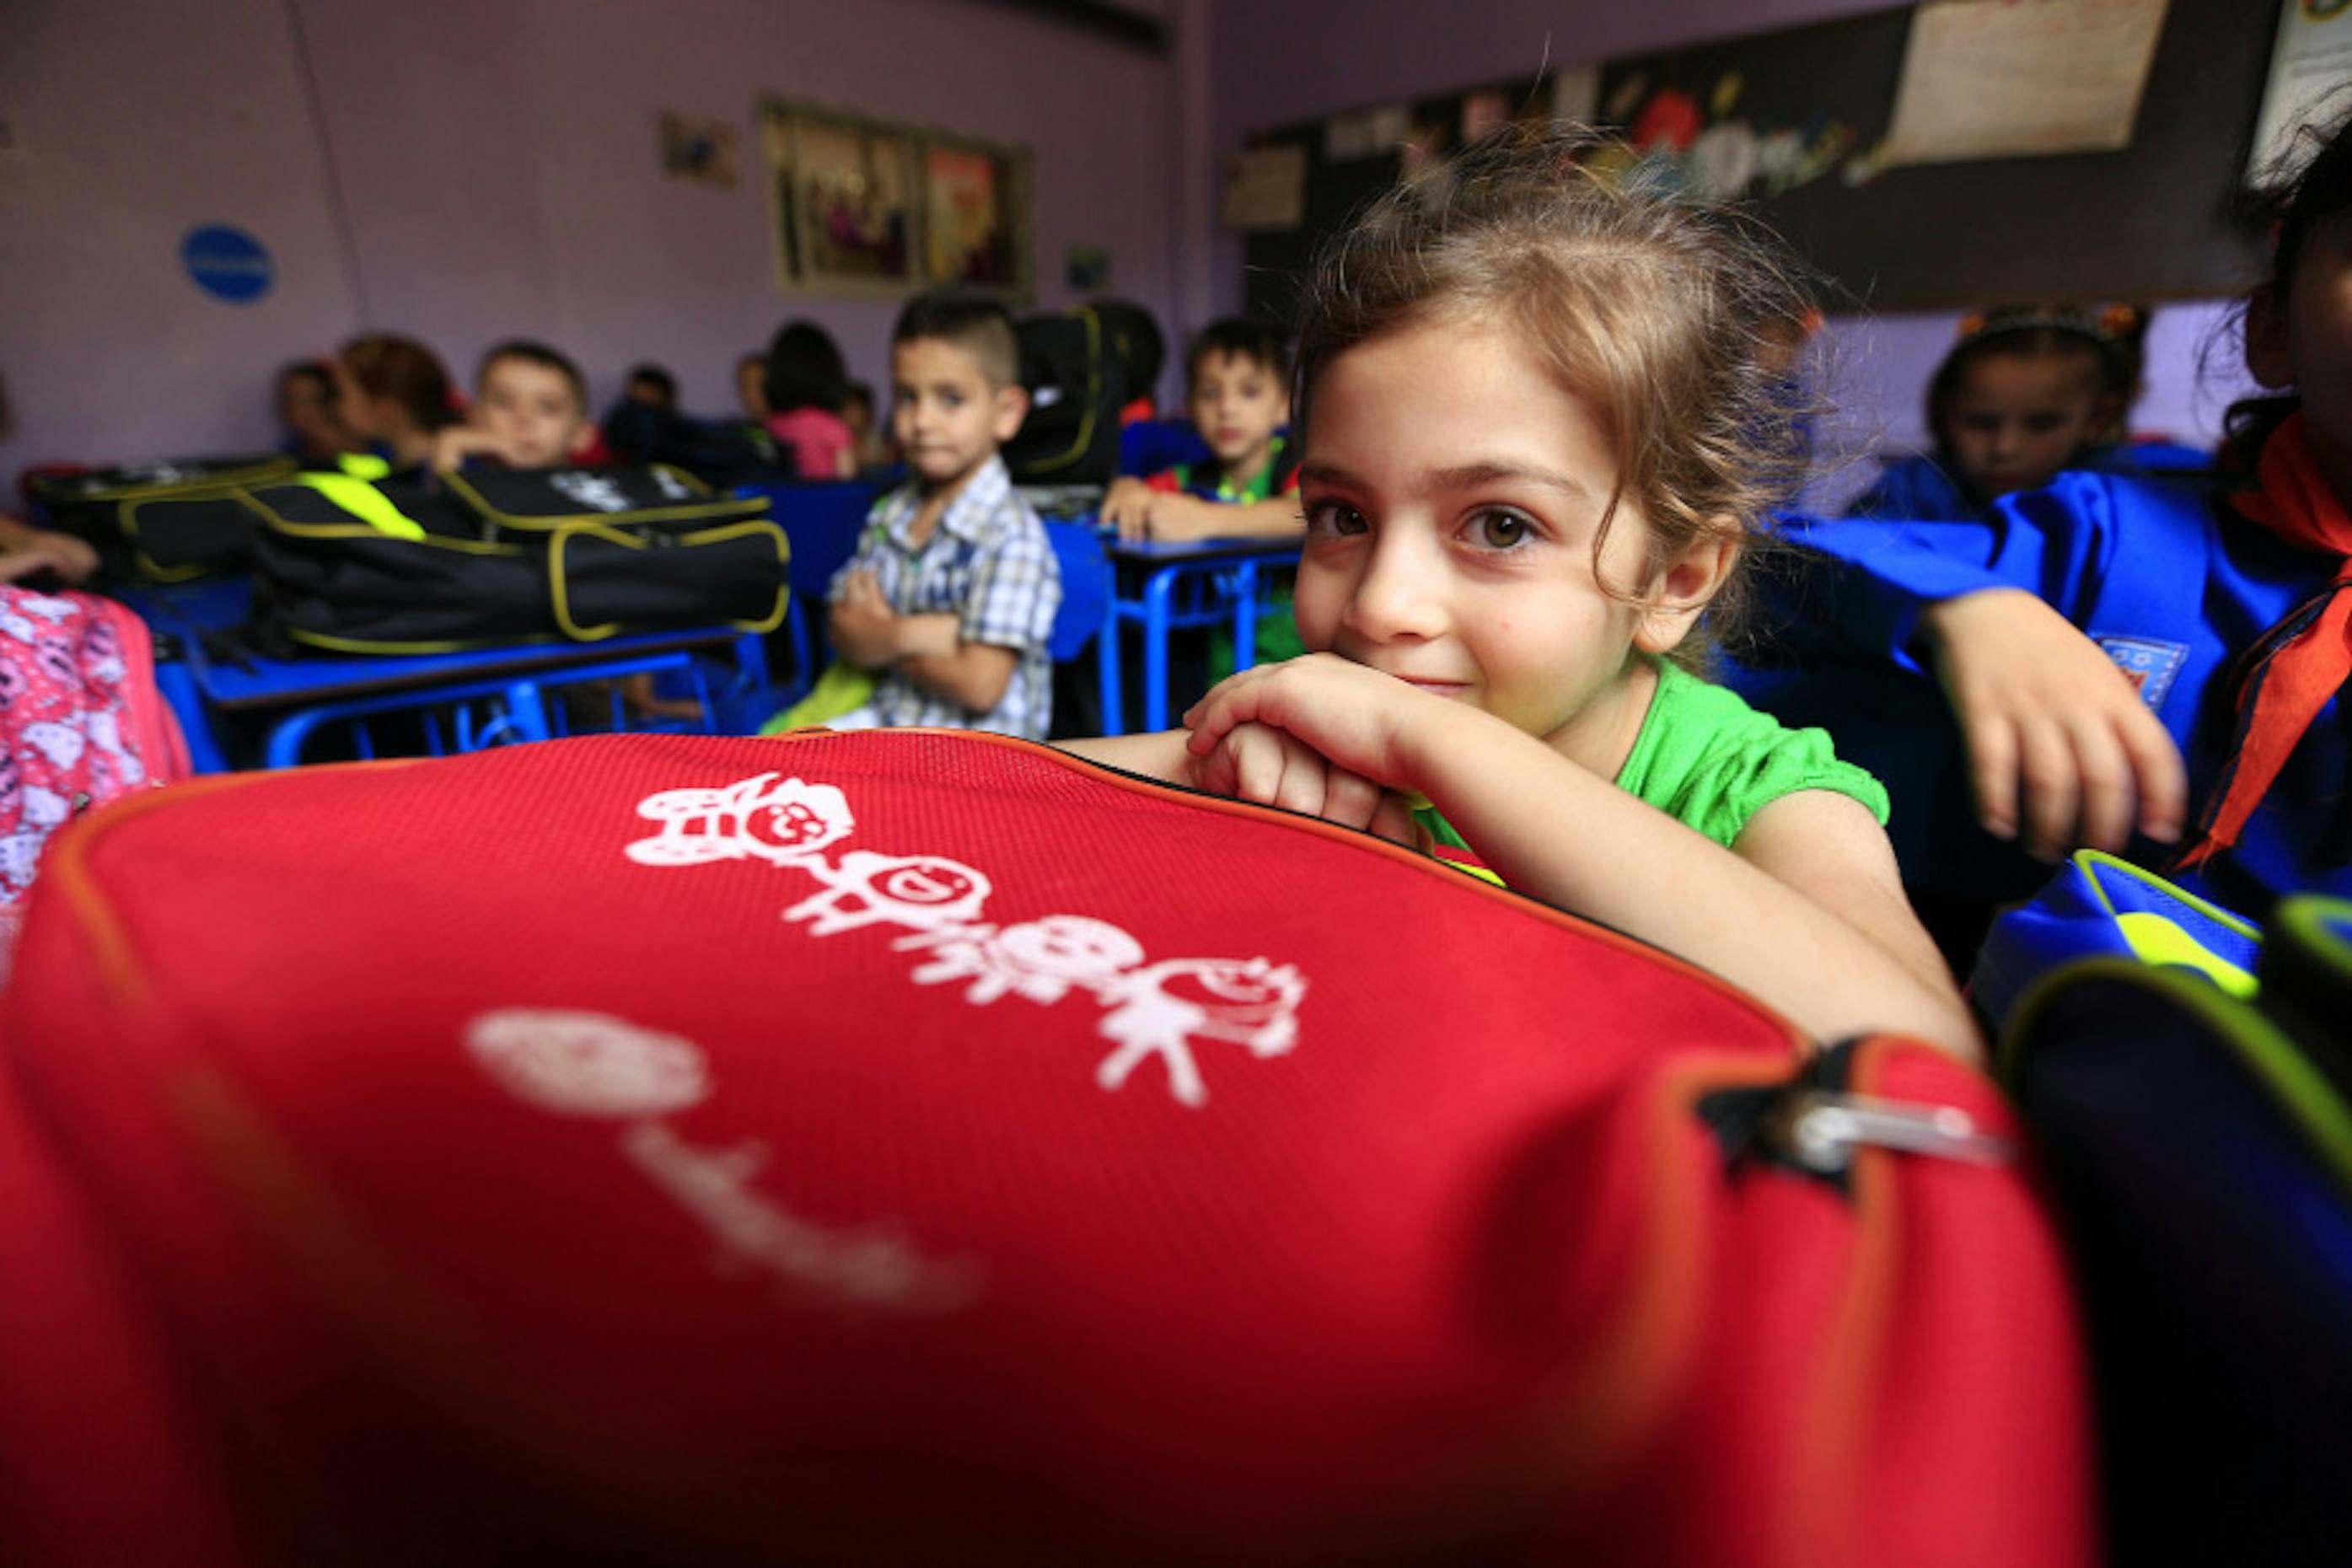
(1501, 530)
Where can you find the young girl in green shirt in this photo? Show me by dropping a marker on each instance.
(1538, 434)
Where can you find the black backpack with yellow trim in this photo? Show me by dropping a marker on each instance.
(393, 567)
(165, 522)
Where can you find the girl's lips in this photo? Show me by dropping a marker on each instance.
(1440, 688)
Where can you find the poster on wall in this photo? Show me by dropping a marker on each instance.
(2022, 80)
(2311, 71)
(1266, 189)
(975, 216)
(865, 207)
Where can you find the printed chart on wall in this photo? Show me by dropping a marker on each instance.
(2310, 80)
(1919, 157)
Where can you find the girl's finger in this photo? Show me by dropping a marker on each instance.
(1992, 773)
(1257, 767)
(2104, 782)
(1393, 821)
(2053, 793)
(2163, 783)
(1305, 779)
(1351, 800)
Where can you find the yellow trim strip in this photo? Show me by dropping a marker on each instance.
(730, 506)
(280, 523)
(559, 579)
(360, 645)
(204, 486)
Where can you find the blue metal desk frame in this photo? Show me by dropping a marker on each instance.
(197, 685)
(1225, 572)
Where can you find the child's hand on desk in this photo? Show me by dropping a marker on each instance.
(1126, 506)
(863, 627)
(2046, 711)
(1258, 762)
(27, 552)
(1358, 720)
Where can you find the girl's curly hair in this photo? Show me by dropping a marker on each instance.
(1673, 319)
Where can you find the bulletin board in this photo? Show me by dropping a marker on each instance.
(2158, 220)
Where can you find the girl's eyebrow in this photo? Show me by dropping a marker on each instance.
(1464, 477)
(1471, 476)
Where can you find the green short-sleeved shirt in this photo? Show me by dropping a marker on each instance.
(1710, 762)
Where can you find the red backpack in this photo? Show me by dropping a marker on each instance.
(915, 1147)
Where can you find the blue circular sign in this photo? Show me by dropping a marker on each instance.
(228, 263)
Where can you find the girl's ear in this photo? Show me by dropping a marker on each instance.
(1012, 408)
(1685, 587)
(2270, 358)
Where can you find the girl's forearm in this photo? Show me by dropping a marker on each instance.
(1555, 830)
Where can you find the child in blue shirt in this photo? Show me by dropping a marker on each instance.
(2134, 665)
(2028, 391)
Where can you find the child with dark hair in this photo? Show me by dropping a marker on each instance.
(950, 599)
(1539, 433)
(751, 389)
(530, 411)
(802, 385)
(393, 393)
(870, 446)
(2027, 392)
(2137, 665)
(1238, 380)
(653, 386)
(306, 411)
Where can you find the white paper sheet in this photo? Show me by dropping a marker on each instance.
(1266, 189)
(2014, 78)
(2310, 68)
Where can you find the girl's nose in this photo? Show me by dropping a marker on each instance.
(1398, 595)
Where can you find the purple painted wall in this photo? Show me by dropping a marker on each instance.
(466, 170)
(133, 123)
(495, 161)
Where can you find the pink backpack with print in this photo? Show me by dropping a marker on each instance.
(80, 723)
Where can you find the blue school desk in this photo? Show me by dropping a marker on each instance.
(1194, 582)
(314, 691)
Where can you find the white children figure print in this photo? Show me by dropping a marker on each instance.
(594, 491)
(1151, 1010)
(752, 819)
(1155, 1011)
(924, 892)
(1041, 960)
(593, 1063)
(588, 1064)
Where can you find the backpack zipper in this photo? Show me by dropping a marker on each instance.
(1821, 1131)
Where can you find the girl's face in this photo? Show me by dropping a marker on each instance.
(307, 409)
(2308, 346)
(2015, 419)
(1453, 490)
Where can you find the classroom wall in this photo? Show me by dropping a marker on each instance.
(466, 170)
(121, 142)
(1280, 64)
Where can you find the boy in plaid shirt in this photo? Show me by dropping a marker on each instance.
(951, 597)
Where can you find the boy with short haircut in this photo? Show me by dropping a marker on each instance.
(1237, 381)
(949, 600)
(530, 411)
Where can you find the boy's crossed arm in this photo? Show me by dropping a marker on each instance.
(928, 649)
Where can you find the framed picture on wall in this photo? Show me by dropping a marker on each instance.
(864, 207)
(845, 209)
(976, 215)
